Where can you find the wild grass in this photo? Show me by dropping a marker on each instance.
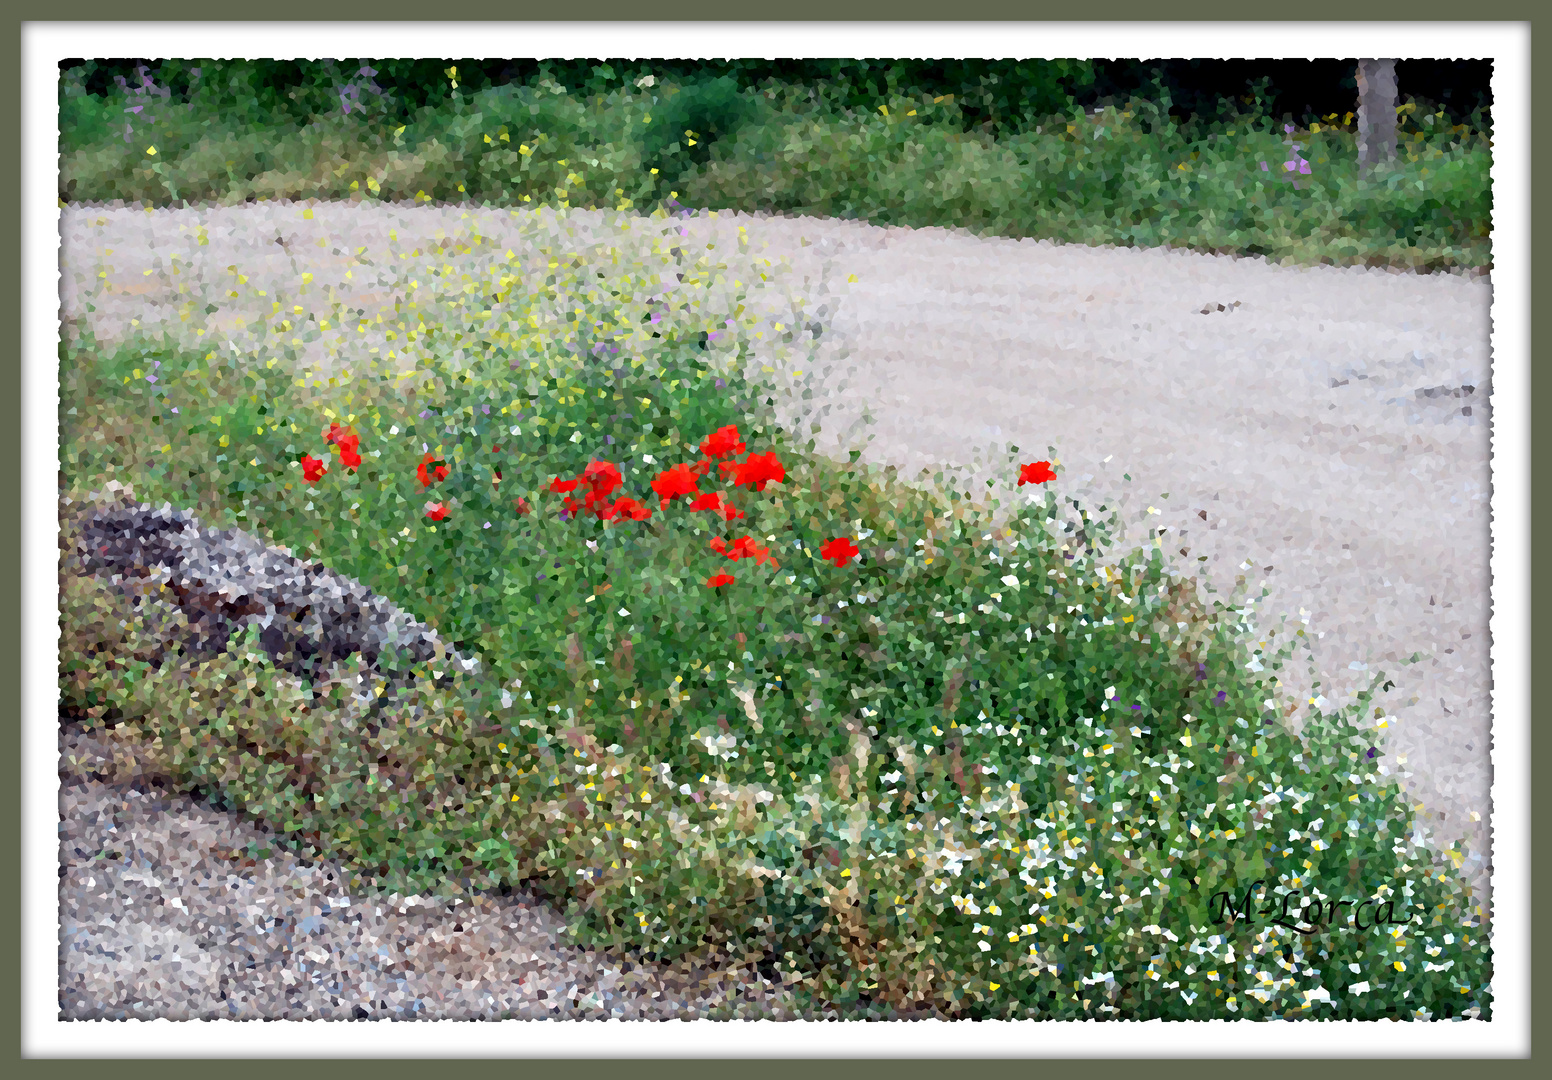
(919, 755)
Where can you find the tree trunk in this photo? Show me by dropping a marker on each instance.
(1376, 114)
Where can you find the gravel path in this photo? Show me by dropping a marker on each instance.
(1324, 431)
(163, 915)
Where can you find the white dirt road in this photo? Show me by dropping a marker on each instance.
(1323, 430)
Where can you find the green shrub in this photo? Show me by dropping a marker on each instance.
(689, 121)
(84, 120)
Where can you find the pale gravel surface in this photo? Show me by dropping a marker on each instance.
(165, 916)
(1311, 435)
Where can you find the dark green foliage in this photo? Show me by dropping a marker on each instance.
(690, 121)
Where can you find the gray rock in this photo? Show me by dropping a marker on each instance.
(308, 616)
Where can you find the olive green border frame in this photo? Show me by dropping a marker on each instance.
(11, 674)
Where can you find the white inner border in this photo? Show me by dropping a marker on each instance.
(1508, 44)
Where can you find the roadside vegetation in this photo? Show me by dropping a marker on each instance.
(1126, 173)
(918, 753)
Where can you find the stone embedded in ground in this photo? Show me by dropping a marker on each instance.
(308, 616)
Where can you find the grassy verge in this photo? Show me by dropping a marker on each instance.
(1123, 175)
(915, 761)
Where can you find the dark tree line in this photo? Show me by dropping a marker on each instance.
(1296, 90)
(996, 93)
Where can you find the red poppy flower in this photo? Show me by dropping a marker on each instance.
(428, 476)
(745, 547)
(603, 477)
(349, 444)
(720, 580)
(723, 442)
(702, 467)
(625, 506)
(714, 500)
(758, 470)
(436, 511)
(838, 551)
(522, 506)
(680, 480)
(312, 469)
(560, 487)
(1037, 473)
